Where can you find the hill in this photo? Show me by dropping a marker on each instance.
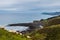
(47, 33)
(50, 21)
(51, 13)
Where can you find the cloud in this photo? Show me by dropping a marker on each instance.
(13, 4)
(30, 5)
(5, 3)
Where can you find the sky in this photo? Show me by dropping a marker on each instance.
(18, 11)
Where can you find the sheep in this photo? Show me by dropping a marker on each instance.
(21, 34)
(41, 26)
(17, 32)
(28, 37)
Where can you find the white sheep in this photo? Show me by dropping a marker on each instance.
(28, 37)
(21, 34)
(17, 32)
(41, 26)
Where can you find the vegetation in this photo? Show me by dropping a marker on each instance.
(48, 33)
(5, 35)
(50, 21)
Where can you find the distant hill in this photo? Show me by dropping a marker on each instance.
(51, 13)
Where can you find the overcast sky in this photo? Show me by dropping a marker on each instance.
(30, 5)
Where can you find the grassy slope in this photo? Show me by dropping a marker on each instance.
(4, 35)
(47, 33)
(51, 21)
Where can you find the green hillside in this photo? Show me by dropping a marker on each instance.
(47, 33)
(5, 35)
(50, 21)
